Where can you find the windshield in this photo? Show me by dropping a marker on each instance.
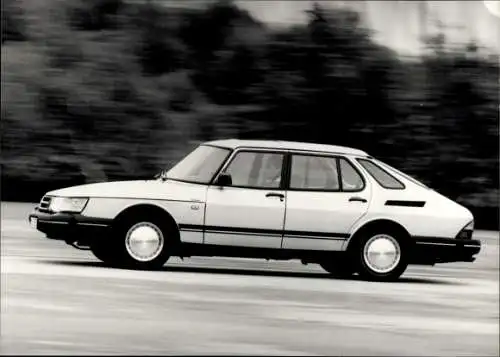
(390, 168)
(200, 165)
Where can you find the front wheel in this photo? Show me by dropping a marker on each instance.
(143, 243)
(381, 256)
(103, 251)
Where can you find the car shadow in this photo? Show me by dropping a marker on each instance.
(252, 272)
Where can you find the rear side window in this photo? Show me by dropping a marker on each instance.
(314, 173)
(384, 179)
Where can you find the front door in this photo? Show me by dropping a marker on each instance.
(327, 196)
(251, 211)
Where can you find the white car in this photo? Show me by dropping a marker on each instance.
(331, 205)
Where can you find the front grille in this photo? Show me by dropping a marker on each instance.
(44, 204)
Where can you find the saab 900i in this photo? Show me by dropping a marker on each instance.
(329, 205)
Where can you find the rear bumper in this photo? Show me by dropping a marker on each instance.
(444, 250)
(69, 227)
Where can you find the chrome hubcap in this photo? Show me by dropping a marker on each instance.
(382, 253)
(144, 241)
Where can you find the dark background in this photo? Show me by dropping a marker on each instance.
(96, 90)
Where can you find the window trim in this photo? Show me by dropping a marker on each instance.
(235, 152)
(360, 160)
(300, 151)
(339, 173)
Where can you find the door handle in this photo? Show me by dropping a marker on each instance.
(274, 194)
(357, 199)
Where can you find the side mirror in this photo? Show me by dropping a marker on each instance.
(224, 179)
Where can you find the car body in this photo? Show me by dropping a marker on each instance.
(331, 205)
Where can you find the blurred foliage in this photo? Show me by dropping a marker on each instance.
(13, 21)
(94, 15)
(110, 89)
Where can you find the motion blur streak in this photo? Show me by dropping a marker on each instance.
(59, 300)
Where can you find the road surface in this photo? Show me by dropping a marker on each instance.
(58, 300)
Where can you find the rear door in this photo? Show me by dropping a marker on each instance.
(326, 196)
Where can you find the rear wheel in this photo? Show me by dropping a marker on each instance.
(381, 256)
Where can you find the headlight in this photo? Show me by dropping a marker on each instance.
(466, 232)
(68, 204)
(469, 227)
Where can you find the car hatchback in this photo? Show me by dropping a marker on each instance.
(329, 205)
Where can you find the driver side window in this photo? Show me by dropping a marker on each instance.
(256, 169)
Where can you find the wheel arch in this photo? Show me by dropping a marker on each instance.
(154, 210)
(379, 224)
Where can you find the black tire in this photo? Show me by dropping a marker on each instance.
(103, 251)
(392, 272)
(124, 254)
(339, 267)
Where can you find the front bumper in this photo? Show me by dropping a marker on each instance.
(69, 227)
(444, 250)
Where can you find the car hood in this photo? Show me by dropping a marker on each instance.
(144, 189)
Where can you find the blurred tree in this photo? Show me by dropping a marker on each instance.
(463, 96)
(333, 74)
(13, 21)
(158, 50)
(223, 42)
(94, 15)
(64, 48)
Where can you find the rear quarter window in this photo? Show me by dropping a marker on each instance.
(383, 178)
(351, 178)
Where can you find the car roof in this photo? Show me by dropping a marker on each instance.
(285, 145)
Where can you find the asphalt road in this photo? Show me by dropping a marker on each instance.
(58, 300)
